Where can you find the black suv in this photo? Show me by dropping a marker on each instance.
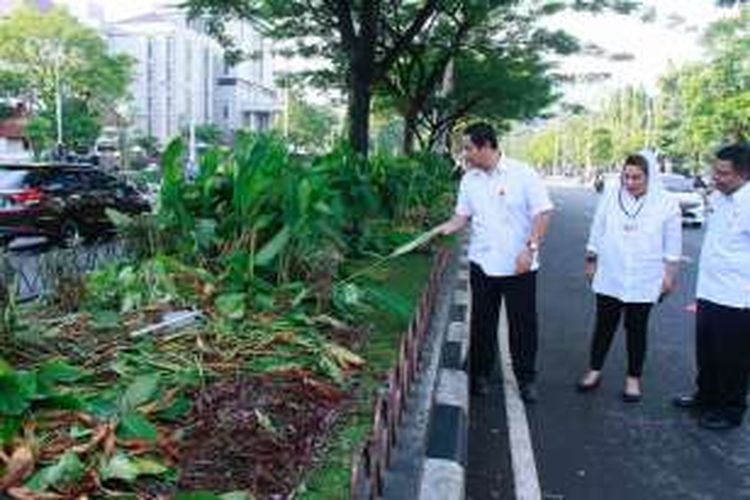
(61, 202)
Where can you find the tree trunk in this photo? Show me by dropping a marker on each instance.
(410, 131)
(360, 96)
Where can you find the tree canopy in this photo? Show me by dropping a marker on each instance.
(41, 50)
(363, 42)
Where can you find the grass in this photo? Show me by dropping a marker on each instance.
(405, 277)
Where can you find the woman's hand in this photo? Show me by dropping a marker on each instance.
(589, 269)
(668, 284)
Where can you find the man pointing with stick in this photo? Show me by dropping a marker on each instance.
(509, 209)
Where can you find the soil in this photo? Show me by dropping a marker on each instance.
(259, 434)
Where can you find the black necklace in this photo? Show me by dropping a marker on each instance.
(631, 214)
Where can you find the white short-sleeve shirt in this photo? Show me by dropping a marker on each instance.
(632, 239)
(501, 204)
(724, 269)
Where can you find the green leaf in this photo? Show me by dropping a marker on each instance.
(231, 305)
(68, 470)
(5, 368)
(197, 495)
(330, 369)
(105, 319)
(236, 495)
(9, 428)
(57, 370)
(149, 467)
(17, 389)
(271, 249)
(102, 407)
(62, 402)
(120, 467)
(135, 426)
(177, 409)
(142, 390)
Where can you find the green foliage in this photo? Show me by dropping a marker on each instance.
(81, 122)
(311, 127)
(24, 389)
(698, 107)
(38, 47)
(207, 133)
(40, 132)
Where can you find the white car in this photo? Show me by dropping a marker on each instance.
(692, 202)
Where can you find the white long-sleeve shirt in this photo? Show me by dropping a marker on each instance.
(632, 244)
(501, 205)
(724, 269)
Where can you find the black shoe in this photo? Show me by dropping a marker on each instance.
(631, 397)
(480, 386)
(583, 387)
(529, 392)
(687, 402)
(717, 422)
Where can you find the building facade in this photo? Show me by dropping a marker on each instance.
(180, 75)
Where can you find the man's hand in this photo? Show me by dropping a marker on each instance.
(452, 225)
(524, 261)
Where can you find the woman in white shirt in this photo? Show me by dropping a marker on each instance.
(632, 256)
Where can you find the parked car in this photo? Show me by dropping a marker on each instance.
(605, 180)
(62, 202)
(692, 201)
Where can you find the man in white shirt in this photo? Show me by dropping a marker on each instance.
(509, 209)
(722, 342)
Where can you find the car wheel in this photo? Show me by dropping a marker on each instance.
(70, 234)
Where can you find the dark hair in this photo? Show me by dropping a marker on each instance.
(638, 161)
(738, 155)
(481, 134)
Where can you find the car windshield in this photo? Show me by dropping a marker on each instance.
(12, 178)
(677, 183)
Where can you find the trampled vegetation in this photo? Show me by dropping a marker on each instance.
(261, 259)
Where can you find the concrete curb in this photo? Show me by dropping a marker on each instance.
(444, 468)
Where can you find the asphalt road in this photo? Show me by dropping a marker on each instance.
(594, 446)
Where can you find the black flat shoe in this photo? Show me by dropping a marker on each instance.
(630, 397)
(583, 387)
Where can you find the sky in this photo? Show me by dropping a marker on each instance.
(668, 39)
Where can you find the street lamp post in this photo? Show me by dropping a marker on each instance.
(58, 97)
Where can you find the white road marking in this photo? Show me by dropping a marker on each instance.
(525, 476)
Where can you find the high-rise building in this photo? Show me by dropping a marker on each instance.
(181, 75)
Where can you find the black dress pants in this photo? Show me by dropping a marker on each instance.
(722, 349)
(608, 313)
(487, 293)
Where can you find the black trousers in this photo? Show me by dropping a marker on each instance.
(722, 349)
(608, 313)
(487, 294)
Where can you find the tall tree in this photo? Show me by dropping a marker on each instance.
(51, 52)
(362, 40)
